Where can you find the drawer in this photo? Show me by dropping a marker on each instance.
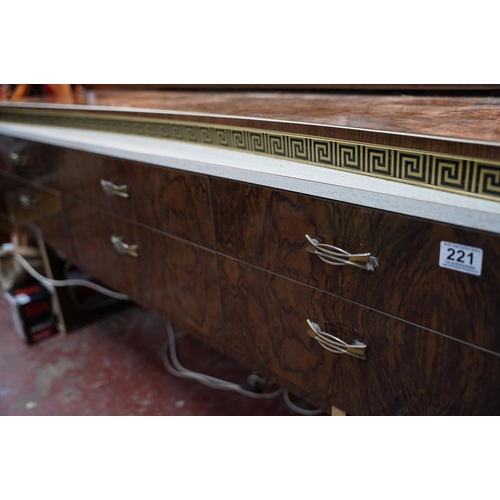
(44, 209)
(168, 200)
(268, 230)
(407, 370)
(32, 161)
(169, 277)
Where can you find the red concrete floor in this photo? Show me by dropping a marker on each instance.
(113, 367)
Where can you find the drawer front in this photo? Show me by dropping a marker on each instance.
(32, 161)
(268, 230)
(170, 277)
(26, 203)
(408, 370)
(175, 202)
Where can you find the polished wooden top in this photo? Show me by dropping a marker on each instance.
(440, 142)
(474, 118)
(386, 88)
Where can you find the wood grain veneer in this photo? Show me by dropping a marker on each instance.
(268, 230)
(170, 277)
(251, 297)
(166, 199)
(39, 161)
(395, 121)
(466, 118)
(409, 371)
(47, 212)
(303, 87)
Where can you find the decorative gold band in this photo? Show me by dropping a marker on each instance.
(454, 174)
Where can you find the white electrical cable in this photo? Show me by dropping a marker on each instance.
(176, 369)
(294, 407)
(62, 283)
(50, 282)
(80, 305)
(179, 371)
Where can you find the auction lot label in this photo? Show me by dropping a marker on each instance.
(461, 258)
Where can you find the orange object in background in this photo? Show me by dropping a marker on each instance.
(61, 92)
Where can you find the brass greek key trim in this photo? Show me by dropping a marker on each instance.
(461, 175)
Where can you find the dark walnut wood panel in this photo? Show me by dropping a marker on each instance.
(409, 371)
(44, 209)
(170, 277)
(269, 228)
(177, 202)
(244, 314)
(80, 174)
(172, 201)
(29, 160)
(245, 319)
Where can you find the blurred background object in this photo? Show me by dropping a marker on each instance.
(61, 93)
(24, 90)
(5, 91)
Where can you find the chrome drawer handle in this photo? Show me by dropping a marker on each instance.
(28, 202)
(337, 257)
(124, 249)
(113, 190)
(334, 344)
(19, 160)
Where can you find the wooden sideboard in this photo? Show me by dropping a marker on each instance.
(228, 261)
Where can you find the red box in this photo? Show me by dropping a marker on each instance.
(31, 312)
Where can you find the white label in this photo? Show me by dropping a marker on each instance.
(23, 299)
(461, 258)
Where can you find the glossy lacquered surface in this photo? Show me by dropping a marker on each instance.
(268, 230)
(459, 117)
(29, 160)
(303, 87)
(457, 126)
(409, 371)
(169, 200)
(228, 263)
(26, 203)
(170, 277)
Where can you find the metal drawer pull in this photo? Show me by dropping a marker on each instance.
(19, 160)
(123, 248)
(334, 344)
(337, 257)
(28, 202)
(113, 190)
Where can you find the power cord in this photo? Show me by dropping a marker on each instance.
(62, 283)
(175, 368)
(43, 279)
